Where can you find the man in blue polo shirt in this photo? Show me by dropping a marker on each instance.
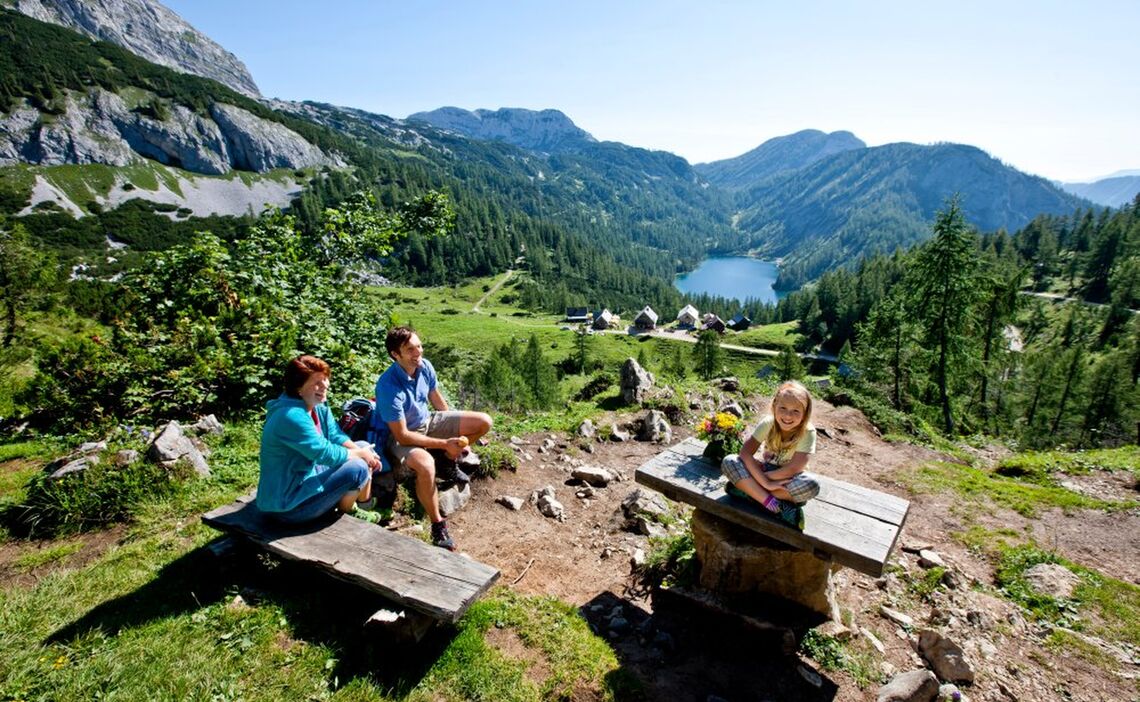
(406, 394)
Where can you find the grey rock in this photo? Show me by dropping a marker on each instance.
(550, 507)
(1052, 579)
(949, 693)
(951, 579)
(911, 686)
(170, 445)
(516, 441)
(635, 382)
(257, 144)
(91, 447)
(147, 29)
(655, 427)
(75, 466)
(618, 434)
(810, 676)
(208, 425)
(511, 503)
(453, 498)
(897, 617)
(125, 457)
(638, 558)
(644, 502)
(593, 475)
(729, 384)
(874, 641)
(930, 559)
(585, 493)
(619, 625)
(642, 524)
(734, 409)
(586, 429)
(945, 657)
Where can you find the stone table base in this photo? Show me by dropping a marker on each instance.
(736, 560)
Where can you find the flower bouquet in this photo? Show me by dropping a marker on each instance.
(723, 433)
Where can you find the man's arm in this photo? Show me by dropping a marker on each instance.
(437, 401)
(407, 437)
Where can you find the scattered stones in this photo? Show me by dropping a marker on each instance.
(874, 641)
(655, 427)
(618, 434)
(593, 475)
(951, 579)
(586, 429)
(548, 505)
(75, 466)
(207, 425)
(834, 630)
(125, 457)
(930, 559)
(635, 382)
(511, 503)
(644, 502)
(897, 617)
(733, 408)
(516, 441)
(453, 498)
(911, 686)
(946, 658)
(1053, 580)
(171, 445)
(729, 384)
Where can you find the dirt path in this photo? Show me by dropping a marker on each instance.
(494, 289)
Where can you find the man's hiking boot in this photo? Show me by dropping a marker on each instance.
(440, 537)
(447, 471)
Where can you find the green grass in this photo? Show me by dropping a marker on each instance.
(1039, 466)
(766, 336)
(51, 554)
(834, 655)
(979, 488)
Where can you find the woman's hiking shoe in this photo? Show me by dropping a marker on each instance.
(440, 537)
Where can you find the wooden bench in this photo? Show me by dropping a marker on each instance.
(846, 524)
(431, 581)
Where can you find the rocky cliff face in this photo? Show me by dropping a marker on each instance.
(100, 127)
(546, 130)
(149, 30)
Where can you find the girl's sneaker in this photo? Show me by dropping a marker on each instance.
(792, 513)
(367, 515)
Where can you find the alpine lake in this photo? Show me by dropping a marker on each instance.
(737, 277)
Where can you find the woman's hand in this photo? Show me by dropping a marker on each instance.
(366, 454)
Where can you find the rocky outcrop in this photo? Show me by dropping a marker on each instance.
(100, 127)
(544, 130)
(148, 29)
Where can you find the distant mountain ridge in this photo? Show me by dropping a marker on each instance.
(876, 199)
(548, 131)
(149, 30)
(1114, 191)
(776, 156)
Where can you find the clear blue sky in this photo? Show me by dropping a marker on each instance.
(1052, 88)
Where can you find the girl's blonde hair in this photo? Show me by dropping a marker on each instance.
(775, 442)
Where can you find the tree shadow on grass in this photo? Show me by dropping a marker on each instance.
(688, 653)
(320, 609)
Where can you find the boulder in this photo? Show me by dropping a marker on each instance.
(593, 475)
(170, 445)
(644, 502)
(1052, 579)
(946, 658)
(635, 382)
(453, 498)
(586, 429)
(618, 434)
(911, 686)
(512, 503)
(550, 507)
(655, 427)
(207, 425)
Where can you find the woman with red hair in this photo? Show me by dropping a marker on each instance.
(308, 465)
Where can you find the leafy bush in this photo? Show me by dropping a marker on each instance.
(207, 326)
(671, 561)
(495, 457)
(101, 495)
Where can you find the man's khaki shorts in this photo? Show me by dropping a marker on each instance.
(440, 425)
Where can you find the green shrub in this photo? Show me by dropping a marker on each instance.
(495, 457)
(97, 497)
(672, 560)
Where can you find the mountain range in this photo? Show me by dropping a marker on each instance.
(816, 200)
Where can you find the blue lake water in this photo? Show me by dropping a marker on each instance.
(733, 276)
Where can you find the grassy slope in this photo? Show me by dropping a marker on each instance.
(152, 617)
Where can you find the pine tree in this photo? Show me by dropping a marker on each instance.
(943, 288)
(788, 364)
(707, 355)
(538, 375)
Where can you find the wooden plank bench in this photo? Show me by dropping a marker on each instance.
(429, 580)
(846, 524)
